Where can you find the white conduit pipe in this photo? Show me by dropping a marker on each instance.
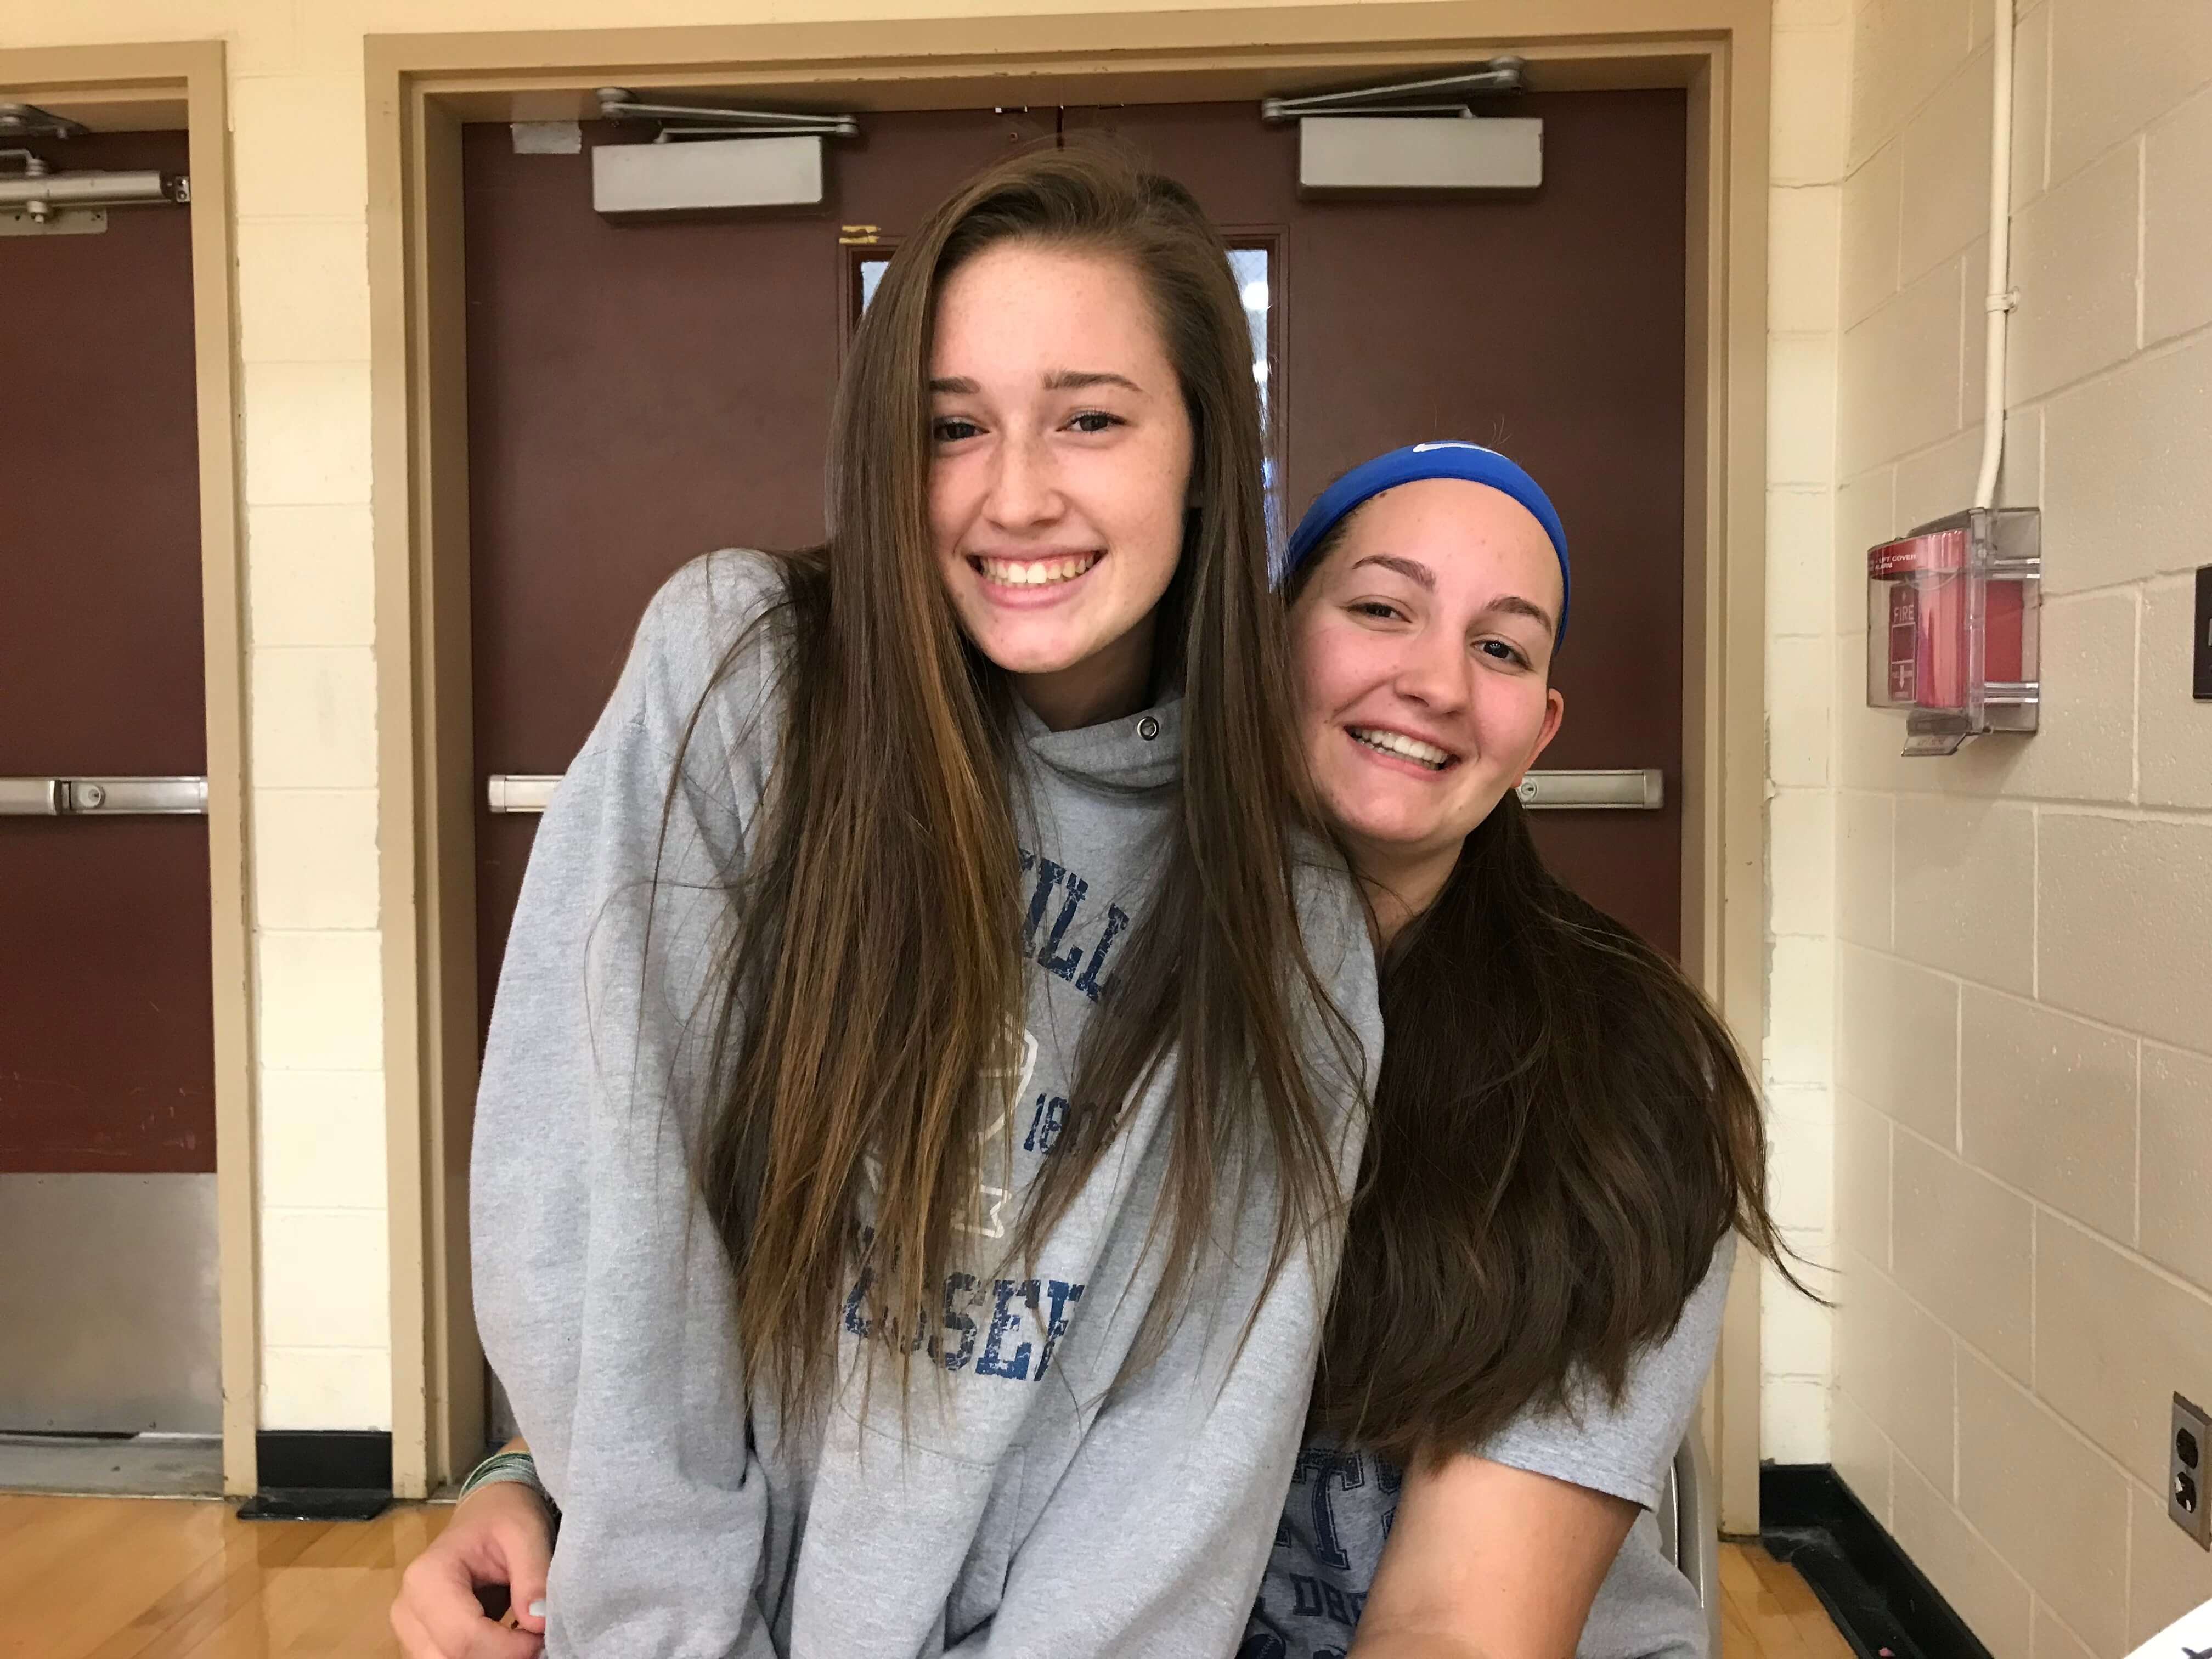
(2001, 299)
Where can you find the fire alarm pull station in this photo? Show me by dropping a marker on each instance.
(1952, 613)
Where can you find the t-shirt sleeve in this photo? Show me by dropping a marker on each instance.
(1625, 1446)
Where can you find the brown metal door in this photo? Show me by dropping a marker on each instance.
(106, 1047)
(638, 394)
(1550, 327)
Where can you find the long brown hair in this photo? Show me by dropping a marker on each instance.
(1563, 1132)
(875, 972)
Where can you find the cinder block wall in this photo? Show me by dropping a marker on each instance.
(2024, 963)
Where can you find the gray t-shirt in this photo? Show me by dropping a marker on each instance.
(1342, 1501)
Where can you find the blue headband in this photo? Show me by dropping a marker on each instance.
(1471, 462)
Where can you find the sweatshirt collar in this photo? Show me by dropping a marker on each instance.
(1143, 750)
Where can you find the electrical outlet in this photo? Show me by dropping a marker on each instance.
(2188, 1464)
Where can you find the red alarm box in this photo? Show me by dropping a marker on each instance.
(1951, 615)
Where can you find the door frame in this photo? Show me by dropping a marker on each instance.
(165, 86)
(422, 87)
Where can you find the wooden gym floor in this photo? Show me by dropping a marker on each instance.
(153, 1579)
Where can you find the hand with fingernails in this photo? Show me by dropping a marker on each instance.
(501, 1536)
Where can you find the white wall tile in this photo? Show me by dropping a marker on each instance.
(1863, 1331)
(314, 717)
(322, 1139)
(1801, 552)
(1865, 866)
(1898, 1040)
(321, 1001)
(1811, 14)
(1793, 1419)
(1802, 862)
(315, 859)
(2125, 930)
(326, 1278)
(1801, 1012)
(2075, 266)
(2054, 1510)
(325, 1388)
(2168, 1574)
(2128, 471)
(303, 290)
(1965, 888)
(311, 576)
(2031, 104)
(1944, 161)
(1962, 1248)
(1862, 1202)
(1904, 50)
(2177, 231)
(2053, 1640)
(2115, 1341)
(1797, 695)
(1872, 208)
(1810, 113)
(1804, 232)
(306, 433)
(1972, 1577)
(1801, 1156)
(1923, 1398)
(2118, 67)
(2177, 730)
(2177, 1163)
(2048, 1104)
(302, 149)
(1900, 374)
(1861, 1456)
(1801, 409)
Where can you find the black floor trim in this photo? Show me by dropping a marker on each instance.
(320, 1474)
(1885, 1608)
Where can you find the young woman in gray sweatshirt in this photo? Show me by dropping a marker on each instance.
(927, 1063)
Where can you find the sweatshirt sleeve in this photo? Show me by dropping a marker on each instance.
(1153, 1543)
(602, 1292)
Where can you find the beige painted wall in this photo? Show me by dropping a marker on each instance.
(300, 171)
(2024, 972)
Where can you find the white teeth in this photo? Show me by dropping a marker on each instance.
(1036, 573)
(1397, 742)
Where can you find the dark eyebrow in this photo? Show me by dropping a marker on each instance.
(1077, 379)
(1412, 570)
(1059, 379)
(1514, 604)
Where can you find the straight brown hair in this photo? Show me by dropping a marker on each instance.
(887, 840)
(1563, 1132)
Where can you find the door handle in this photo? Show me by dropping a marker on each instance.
(1643, 790)
(72, 798)
(1638, 789)
(520, 791)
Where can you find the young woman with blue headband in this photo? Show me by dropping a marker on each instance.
(1563, 1139)
(1563, 1143)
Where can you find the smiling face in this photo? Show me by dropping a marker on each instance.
(1061, 464)
(1423, 646)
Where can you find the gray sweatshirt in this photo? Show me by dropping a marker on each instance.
(1029, 1504)
(1343, 1500)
